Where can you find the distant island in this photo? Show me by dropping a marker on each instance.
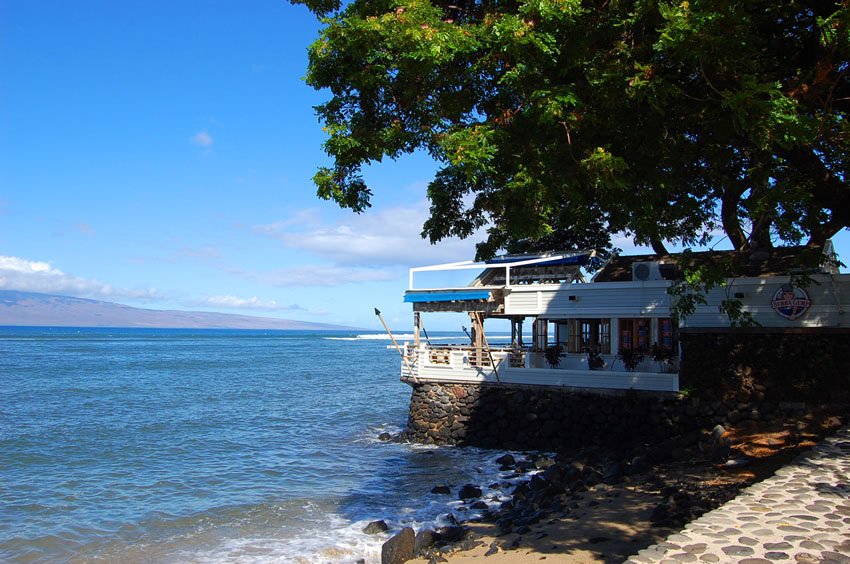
(46, 310)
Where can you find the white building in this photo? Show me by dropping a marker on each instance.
(617, 330)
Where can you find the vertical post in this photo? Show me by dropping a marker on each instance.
(416, 325)
(513, 332)
(519, 332)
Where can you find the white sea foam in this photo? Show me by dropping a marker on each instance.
(372, 337)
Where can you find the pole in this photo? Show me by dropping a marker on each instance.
(489, 352)
(398, 348)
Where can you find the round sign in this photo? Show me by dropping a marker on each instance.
(790, 302)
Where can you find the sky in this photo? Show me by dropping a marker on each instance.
(159, 154)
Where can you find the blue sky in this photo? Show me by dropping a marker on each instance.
(160, 154)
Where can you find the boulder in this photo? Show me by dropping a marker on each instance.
(375, 527)
(424, 540)
(469, 491)
(441, 490)
(399, 548)
(506, 460)
(453, 533)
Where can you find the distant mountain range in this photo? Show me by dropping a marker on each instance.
(47, 310)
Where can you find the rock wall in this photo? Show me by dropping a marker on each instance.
(760, 363)
(516, 417)
(726, 379)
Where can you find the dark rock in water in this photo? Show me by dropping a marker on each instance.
(543, 462)
(506, 460)
(398, 549)
(375, 527)
(554, 474)
(479, 505)
(537, 483)
(441, 490)
(451, 534)
(469, 491)
(452, 519)
(385, 437)
(424, 540)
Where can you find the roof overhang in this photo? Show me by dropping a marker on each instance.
(418, 297)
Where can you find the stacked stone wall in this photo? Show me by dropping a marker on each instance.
(796, 365)
(725, 380)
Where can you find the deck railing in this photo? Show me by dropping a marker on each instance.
(465, 356)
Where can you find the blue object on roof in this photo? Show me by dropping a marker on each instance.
(453, 296)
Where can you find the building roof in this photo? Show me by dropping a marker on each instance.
(777, 261)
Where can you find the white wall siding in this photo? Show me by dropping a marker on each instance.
(601, 299)
(829, 296)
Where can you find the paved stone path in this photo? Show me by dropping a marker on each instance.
(800, 514)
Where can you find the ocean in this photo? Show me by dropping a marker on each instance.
(164, 445)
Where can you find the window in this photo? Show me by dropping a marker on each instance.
(581, 335)
(667, 334)
(635, 334)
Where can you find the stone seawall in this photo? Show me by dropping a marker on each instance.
(726, 377)
(800, 364)
(522, 417)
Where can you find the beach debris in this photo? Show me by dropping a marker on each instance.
(469, 491)
(376, 527)
(399, 548)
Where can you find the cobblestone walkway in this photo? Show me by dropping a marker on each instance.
(800, 514)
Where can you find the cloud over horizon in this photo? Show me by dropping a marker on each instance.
(236, 302)
(37, 276)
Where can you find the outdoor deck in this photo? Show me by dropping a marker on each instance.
(465, 364)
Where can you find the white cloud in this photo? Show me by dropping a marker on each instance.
(202, 139)
(390, 236)
(236, 302)
(36, 276)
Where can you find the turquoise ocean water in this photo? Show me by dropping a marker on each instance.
(143, 445)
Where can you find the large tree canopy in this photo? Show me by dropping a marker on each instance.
(567, 120)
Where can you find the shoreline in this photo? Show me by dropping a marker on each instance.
(584, 508)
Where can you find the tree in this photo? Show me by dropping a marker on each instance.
(567, 120)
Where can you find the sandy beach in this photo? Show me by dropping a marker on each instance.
(608, 523)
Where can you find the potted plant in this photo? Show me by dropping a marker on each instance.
(662, 355)
(594, 360)
(631, 358)
(553, 356)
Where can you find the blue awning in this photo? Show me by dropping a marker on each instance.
(452, 296)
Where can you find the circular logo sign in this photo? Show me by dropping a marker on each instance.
(790, 302)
